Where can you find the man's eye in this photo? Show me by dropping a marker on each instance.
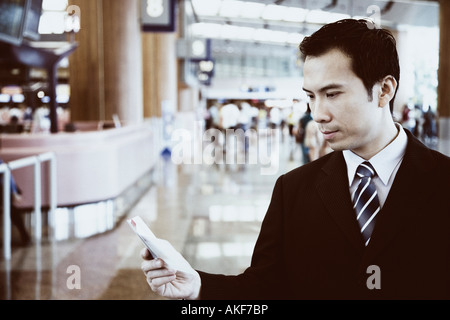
(332, 94)
(310, 97)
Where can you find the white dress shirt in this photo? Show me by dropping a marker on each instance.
(386, 163)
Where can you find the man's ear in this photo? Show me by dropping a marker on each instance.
(388, 87)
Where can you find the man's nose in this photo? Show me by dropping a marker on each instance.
(320, 111)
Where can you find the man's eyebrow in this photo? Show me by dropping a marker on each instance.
(326, 88)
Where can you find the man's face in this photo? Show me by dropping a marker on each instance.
(347, 116)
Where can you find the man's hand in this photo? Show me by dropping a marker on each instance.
(169, 283)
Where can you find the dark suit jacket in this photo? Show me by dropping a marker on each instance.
(310, 246)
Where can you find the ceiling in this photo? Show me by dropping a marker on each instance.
(286, 22)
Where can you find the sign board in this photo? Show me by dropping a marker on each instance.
(158, 15)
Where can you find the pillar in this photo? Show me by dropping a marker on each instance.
(160, 72)
(106, 69)
(444, 78)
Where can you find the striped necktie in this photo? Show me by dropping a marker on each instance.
(365, 200)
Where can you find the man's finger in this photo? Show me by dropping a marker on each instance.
(150, 265)
(160, 273)
(146, 255)
(156, 283)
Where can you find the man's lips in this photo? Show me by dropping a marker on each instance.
(329, 134)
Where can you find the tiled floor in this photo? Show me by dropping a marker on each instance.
(210, 213)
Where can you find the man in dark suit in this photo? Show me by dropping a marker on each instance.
(368, 221)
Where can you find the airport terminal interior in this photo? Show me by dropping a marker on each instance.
(181, 112)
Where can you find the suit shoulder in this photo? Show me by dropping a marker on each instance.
(307, 171)
(442, 161)
(440, 156)
(425, 155)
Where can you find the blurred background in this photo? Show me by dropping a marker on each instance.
(183, 112)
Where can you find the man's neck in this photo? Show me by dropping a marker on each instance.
(390, 134)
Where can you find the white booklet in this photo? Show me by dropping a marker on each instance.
(159, 248)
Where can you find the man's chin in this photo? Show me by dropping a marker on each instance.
(335, 146)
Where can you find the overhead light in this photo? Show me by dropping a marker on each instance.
(278, 36)
(334, 16)
(18, 98)
(265, 35)
(255, 10)
(232, 32)
(316, 16)
(252, 10)
(5, 98)
(231, 8)
(261, 35)
(244, 33)
(229, 32)
(274, 12)
(207, 7)
(324, 17)
(295, 14)
(295, 38)
(206, 30)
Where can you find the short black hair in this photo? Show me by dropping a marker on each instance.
(373, 50)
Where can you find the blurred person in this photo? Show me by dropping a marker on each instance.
(275, 118)
(244, 120)
(284, 121)
(262, 117)
(416, 121)
(429, 124)
(28, 119)
(254, 113)
(315, 243)
(14, 126)
(208, 119)
(215, 116)
(211, 116)
(298, 110)
(291, 122)
(41, 121)
(292, 142)
(405, 116)
(301, 132)
(229, 116)
(229, 120)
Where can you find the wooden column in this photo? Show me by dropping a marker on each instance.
(85, 65)
(106, 70)
(160, 72)
(444, 79)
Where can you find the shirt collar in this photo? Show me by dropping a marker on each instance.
(384, 162)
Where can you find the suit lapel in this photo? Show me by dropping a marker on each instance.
(332, 186)
(399, 208)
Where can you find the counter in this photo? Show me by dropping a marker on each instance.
(92, 166)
